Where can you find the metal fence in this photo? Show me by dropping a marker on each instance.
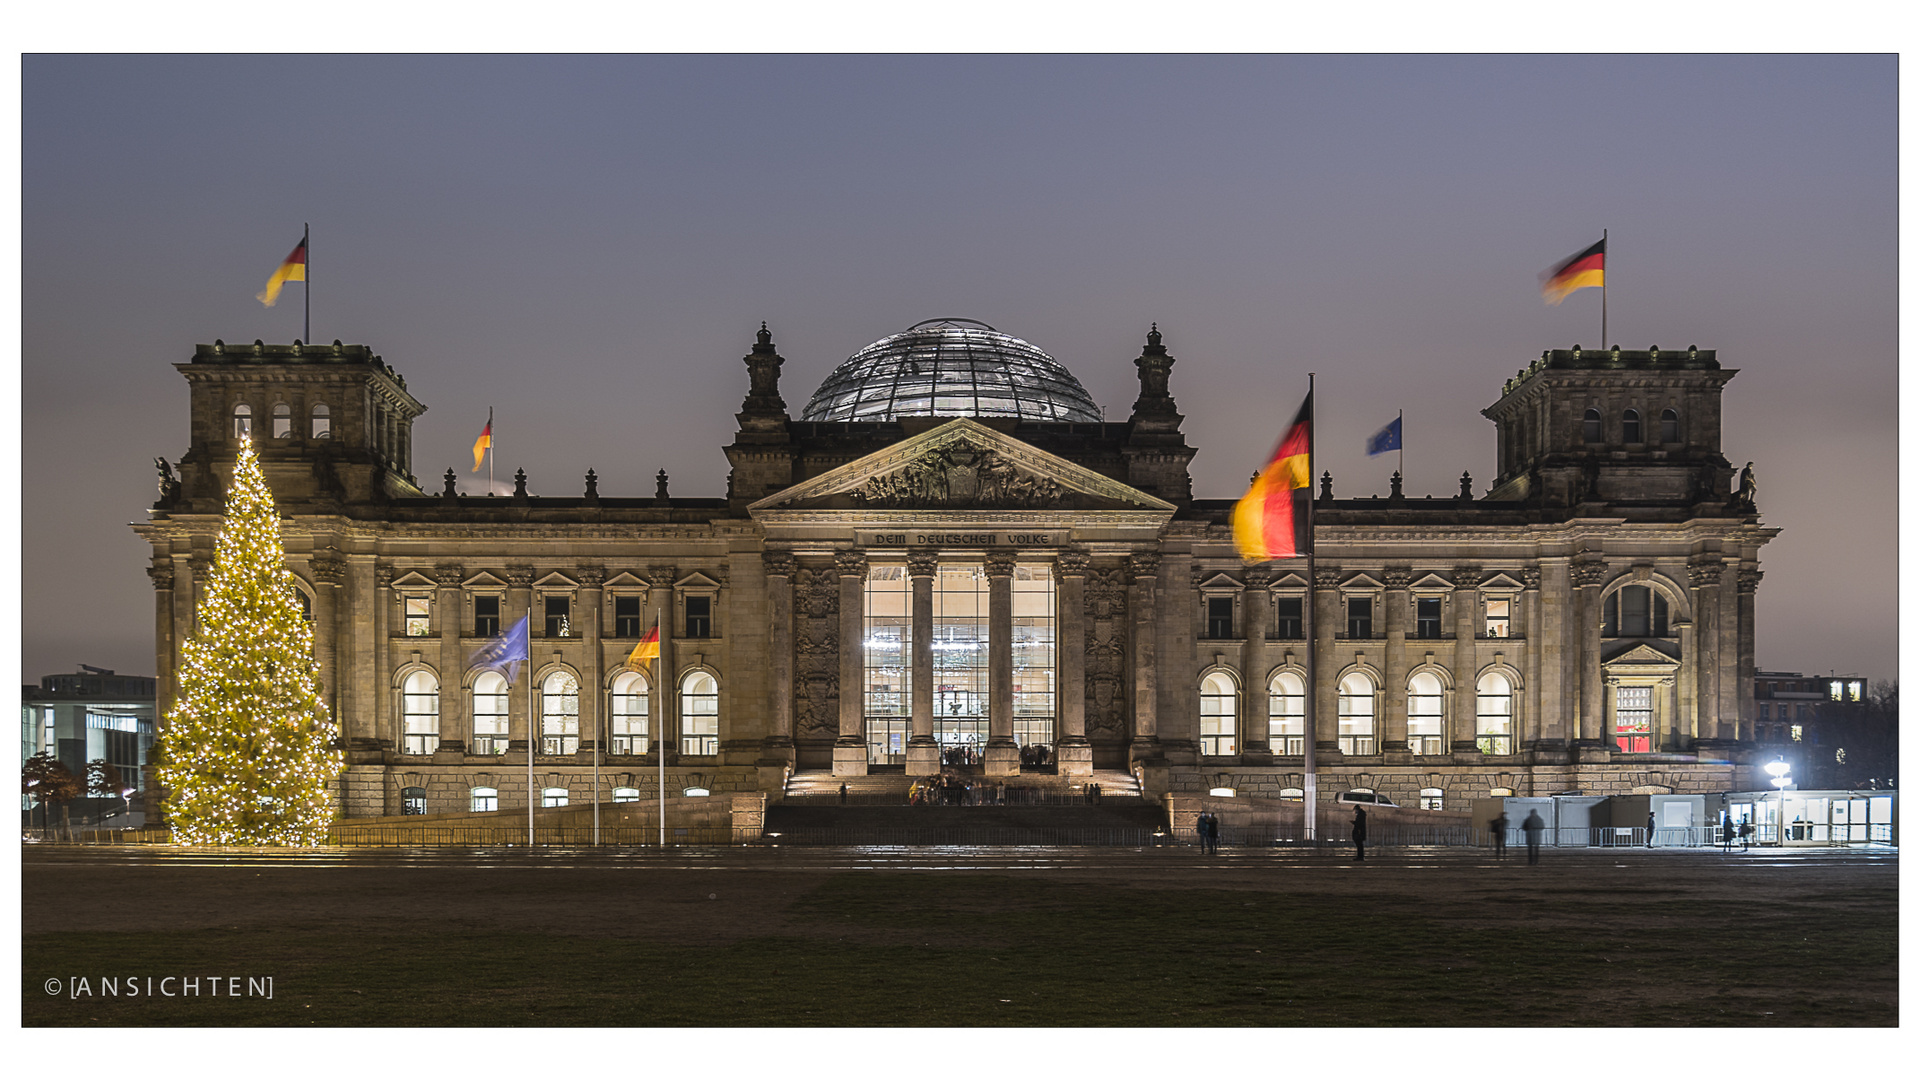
(508, 836)
(969, 836)
(977, 797)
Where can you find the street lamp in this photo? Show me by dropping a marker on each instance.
(1778, 769)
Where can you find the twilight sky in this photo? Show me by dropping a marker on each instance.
(588, 244)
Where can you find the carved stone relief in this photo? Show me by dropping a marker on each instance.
(959, 474)
(1106, 612)
(816, 652)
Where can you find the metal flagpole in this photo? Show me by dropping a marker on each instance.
(659, 744)
(1311, 810)
(598, 708)
(306, 279)
(1605, 273)
(1400, 426)
(530, 733)
(490, 458)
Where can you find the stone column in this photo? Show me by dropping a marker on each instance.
(1003, 754)
(1729, 652)
(1528, 700)
(778, 748)
(1145, 567)
(850, 749)
(1586, 579)
(1326, 689)
(1255, 602)
(161, 574)
(519, 722)
(664, 704)
(1749, 582)
(1466, 630)
(1072, 752)
(593, 689)
(1686, 693)
(454, 735)
(1393, 734)
(923, 752)
(328, 569)
(1704, 578)
(1179, 726)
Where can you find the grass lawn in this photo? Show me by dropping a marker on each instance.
(925, 949)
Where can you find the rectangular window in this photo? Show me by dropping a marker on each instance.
(1034, 690)
(626, 616)
(486, 616)
(558, 609)
(1426, 617)
(1499, 617)
(1359, 617)
(1633, 719)
(417, 617)
(960, 662)
(888, 649)
(1220, 617)
(1288, 625)
(699, 616)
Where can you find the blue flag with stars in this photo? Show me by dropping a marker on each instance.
(509, 650)
(1387, 438)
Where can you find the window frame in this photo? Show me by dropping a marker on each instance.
(1489, 742)
(1279, 742)
(561, 743)
(1358, 744)
(487, 744)
(1505, 622)
(1222, 690)
(1429, 743)
(1299, 599)
(1630, 432)
(1670, 427)
(499, 598)
(281, 423)
(1593, 428)
(241, 417)
(416, 625)
(1348, 600)
(319, 422)
(478, 795)
(623, 742)
(414, 742)
(1439, 620)
(638, 597)
(1210, 604)
(698, 743)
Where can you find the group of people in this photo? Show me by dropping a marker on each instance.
(947, 789)
(1034, 755)
(964, 754)
(1533, 826)
(1208, 828)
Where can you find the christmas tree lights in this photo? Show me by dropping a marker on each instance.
(249, 750)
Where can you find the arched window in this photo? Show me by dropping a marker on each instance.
(699, 714)
(560, 714)
(1218, 709)
(626, 794)
(413, 800)
(1287, 714)
(1635, 611)
(1630, 426)
(553, 796)
(282, 421)
(242, 420)
(1493, 726)
(630, 704)
(489, 713)
(1590, 428)
(1669, 426)
(483, 799)
(1426, 714)
(1356, 714)
(322, 422)
(420, 713)
(1432, 798)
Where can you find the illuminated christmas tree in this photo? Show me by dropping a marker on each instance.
(248, 749)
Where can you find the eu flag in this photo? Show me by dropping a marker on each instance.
(509, 650)
(1387, 438)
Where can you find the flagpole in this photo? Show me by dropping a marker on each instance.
(600, 699)
(306, 279)
(1311, 810)
(659, 745)
(1605, 269)
(490, 463)
(1402, 422)
(530, 732)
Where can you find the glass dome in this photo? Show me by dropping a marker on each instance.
(950, 367)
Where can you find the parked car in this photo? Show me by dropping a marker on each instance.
(1364, 798)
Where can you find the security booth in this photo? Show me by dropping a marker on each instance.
(1677, 821)
(1822, 818)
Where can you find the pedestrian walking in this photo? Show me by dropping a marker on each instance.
(1359, 833)
(1213, 834)
(1499, 827)
(843, 794)
(1649, 828)
(1726, 834)
(1534, 827)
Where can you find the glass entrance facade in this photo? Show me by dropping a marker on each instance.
(1034, 690)
(889, 663)
(960, 662)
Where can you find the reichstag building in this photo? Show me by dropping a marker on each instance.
(948, 559)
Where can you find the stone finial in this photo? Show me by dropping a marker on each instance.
(1396, 486)
(1153, 336)
(1466, 487)
(1326, 486)
(452, 490)
(1155, 368)
(660, 488)
(520, 483)
(593, 487)
(763, 377)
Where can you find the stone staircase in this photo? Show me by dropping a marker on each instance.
(1038, 810)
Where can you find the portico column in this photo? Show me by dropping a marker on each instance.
(1466, 630)
(1394, 670)
(1255, 602)
(1705, 580)
(1146, 684)
(454, 735)
(1746, 580)
(1003, 754)
(1587, 577)
(327, 572)
(779, 743)
(850, 749)
(1528, 730)
(1326, 699)
(593, 690)
(923, 753)
(1073, 754)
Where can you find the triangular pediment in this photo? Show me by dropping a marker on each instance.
(1430, 582)
(1221, 581)
(1362, 581)
(696, 580)
(413, 579)
(1289, 580)
(961, 465)
(1502, 582)
(625, 580)
(556, 580)
(1641, 657)
(483, 580)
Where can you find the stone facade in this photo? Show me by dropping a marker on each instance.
(1586, 624)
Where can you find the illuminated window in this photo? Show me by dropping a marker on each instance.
(1795, 732)
(1425, 715)
(282, 421)
(413, 800)
(1833, 690)
(322, 422)
(1499, 616)
(553, 796)
(489, 713)
(699, 714)
(1633, 719)
(1034, 694)
(1493, 722)
(1501, 792)
(560, 714)
(888, 649)
(1217, 715)
(626, 794)
(1292, 794)
(1286, 714)
(417, 616)
(482, 799)
(1853, 691)
(630, 713)
(242, 421)
(420, 712)
(558, 610)
(1356, 714)
(1432, 798)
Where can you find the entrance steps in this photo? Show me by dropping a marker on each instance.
(1037, 810)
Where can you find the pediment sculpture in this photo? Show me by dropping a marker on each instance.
(959, 475)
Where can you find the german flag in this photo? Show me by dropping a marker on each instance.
(293, 269)
(1270, 521)
(1587, 270)
(482, 444)
(648, 649)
